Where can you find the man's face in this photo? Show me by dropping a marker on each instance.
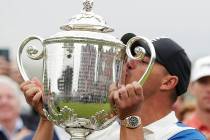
(135, 69)
(9, 105)
(201, 90)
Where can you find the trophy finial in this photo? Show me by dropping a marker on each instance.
(88, 5)
(87, 21)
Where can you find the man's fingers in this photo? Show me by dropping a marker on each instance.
(130, 90)
(37, 104)
(37, 98)
(111, 98)
(127, 99)
(24, 84)
(112, 87)
(37, 82)
(116, 98)
(138, 89)
(27, 87)
(123, 93)
(29, 94)
(32, 89)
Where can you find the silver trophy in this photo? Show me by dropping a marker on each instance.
(79, 64)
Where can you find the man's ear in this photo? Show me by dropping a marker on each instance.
(169, 82)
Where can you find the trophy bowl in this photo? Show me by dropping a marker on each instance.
(79, 64)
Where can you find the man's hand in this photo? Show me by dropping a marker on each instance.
(33, 91)
(127, 99)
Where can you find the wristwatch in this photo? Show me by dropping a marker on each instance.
(131, 122)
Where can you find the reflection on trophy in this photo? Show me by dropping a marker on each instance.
(79, 64)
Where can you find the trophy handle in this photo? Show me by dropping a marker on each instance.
(32, 53)
(140, 54)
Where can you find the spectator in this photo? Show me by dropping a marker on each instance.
(11, 125)
(4, 66)
(200, 89)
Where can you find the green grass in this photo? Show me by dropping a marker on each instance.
(86, 109)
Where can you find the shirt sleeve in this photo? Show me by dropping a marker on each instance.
(190, 134)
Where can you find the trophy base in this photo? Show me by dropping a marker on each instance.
(78, 133)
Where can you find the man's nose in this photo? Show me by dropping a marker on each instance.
(3, 100)
(208, 88)
(131, 64)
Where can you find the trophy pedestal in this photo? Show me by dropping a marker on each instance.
(78, 133)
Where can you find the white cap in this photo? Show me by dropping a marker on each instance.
(201, 68)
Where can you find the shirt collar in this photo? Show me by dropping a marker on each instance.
(19, 124)
(165, 121)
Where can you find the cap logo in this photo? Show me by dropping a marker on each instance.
(158, 38)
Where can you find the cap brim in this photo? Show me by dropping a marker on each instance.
(200, 74)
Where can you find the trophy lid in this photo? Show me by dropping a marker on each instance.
(86, 25)
(87, 21)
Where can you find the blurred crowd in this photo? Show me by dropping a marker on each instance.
(194, 107)
(18, 119)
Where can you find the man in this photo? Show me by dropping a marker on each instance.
(11, 126)
(144, 113)
(200, 89)
(4, 66)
